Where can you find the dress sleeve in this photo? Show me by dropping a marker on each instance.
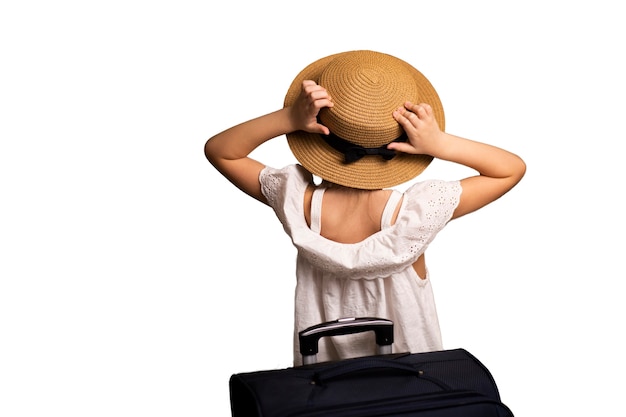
(433, 202)
(272, 182)
(284, 190)
(427, 208)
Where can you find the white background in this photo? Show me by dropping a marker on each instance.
(135, 280)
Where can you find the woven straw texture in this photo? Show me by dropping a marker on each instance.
(365, 86)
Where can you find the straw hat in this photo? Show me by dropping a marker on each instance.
(366, 87)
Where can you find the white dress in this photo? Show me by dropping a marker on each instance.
(371, 278)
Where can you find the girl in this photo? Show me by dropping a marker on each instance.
(363, 122)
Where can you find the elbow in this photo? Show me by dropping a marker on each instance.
(212, 154)
(520, 169)
(208, 152)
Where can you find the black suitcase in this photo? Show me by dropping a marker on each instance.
(433, 384)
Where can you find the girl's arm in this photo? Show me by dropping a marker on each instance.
(228, 151)
(499, 170)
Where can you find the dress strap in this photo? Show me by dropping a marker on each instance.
(390, 208)
(316, 209)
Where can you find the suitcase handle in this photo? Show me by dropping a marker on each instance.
(365, 364)
(309, 337)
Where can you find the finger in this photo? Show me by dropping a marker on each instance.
(422, 109)
(320, 104)
(402, 147)
(319, 94)
(426, 106)
(323, 129)
(316, 127)
(425, 110)
(313, 91)
(412, 116)
(417, 109)
(402, 116)
(405, 111)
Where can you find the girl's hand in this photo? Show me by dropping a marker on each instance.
(305, 109)
(420, 125)
(498, 170)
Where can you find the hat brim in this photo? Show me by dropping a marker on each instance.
(369, 173)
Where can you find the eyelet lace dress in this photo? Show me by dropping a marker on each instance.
(371, 278)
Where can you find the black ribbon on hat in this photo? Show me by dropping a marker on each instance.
(353, 152)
